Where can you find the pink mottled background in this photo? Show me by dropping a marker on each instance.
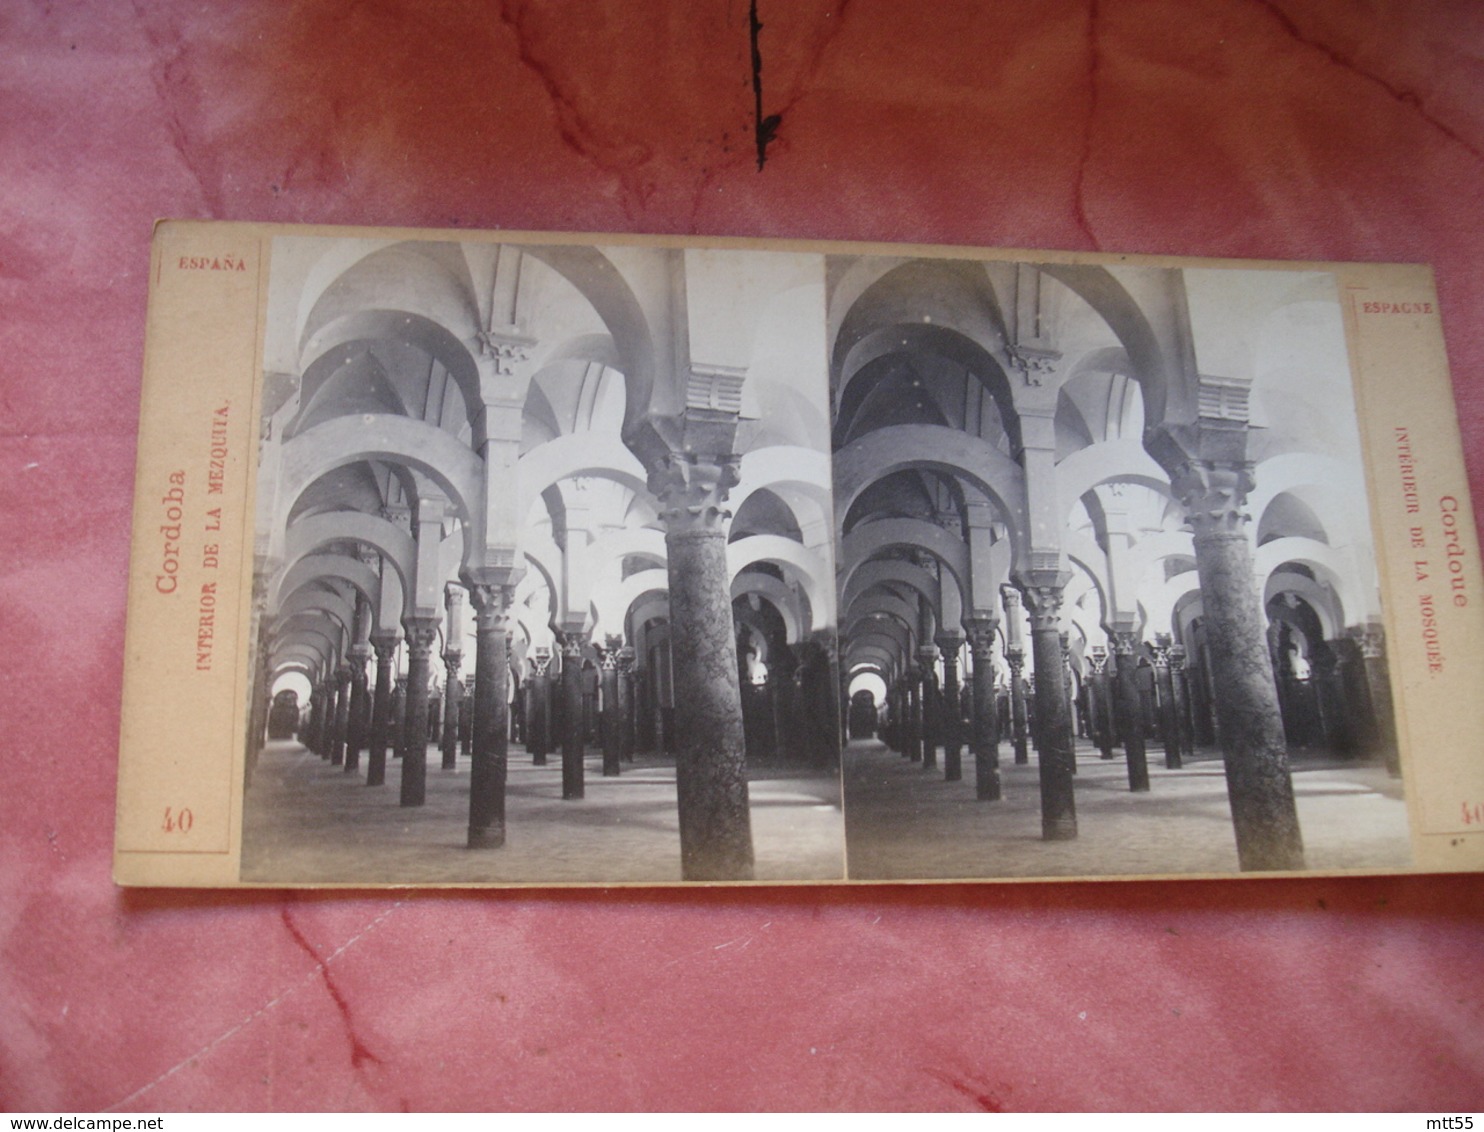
(1285, 128)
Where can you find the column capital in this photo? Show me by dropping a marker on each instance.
(573, 642)
(422, 635)
(1214, 494)
(385, 643)
(949, 642)
(1097, 657)
(1126, 642)
(692, 487)
(1177, 658)
(981, 635)
(490, 601)
(1161, 649)
(1043, 598)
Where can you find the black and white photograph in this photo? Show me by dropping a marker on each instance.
(647, 564)
(1109, 602)
(544, 585)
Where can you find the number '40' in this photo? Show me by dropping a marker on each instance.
(177, 821)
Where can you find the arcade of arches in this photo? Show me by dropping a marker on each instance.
(725, 511)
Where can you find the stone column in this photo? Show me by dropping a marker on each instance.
(325, 743)
(789, 726)
(1064, 638)
(710, 766)
(1019, 738)
(927, 658)
(314, 733)
(948, 717)
(422, 635)
(914, 713)
(1131, 710)
(1213, 492)
(342, 715)
(385, 645)
(628, 736)
(574, 729)
(1180, 690)
(538, 727)
(1100, 706)
(451, 707)
(466, 717)
(1015, 657)
(1169, 716)
(399, 717)
(1043, 596)
(984, 736)
(488, 764)
(612, 752)
(1378, 683)
(360, 707)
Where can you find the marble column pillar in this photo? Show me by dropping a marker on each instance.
(1131, 710)
(399, 717)
(1043, 600)
(1100, 706)
(1015, 657)
(914, 713)
(422, 635)
(1250, 727)
(927, 659)
(538, 727)
(1064, 639)
(789, 726)
(325, 730)
(984, 735)
(360, 710)
(342, 716)
(314, 732)
(1019, 738)
(710, 765)
(612, 750)
(385, 646)
(488, 764)
(627, 741)
(949, 715)
(574, 725)
(451, 706)
(1169, 717)
(453, 654)
(1180, 691)
(466, 718)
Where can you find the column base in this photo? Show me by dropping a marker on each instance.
(987, 785)
(1059, 829)
(491, 838)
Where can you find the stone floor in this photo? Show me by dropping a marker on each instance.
(904, 822)
(306, 821)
